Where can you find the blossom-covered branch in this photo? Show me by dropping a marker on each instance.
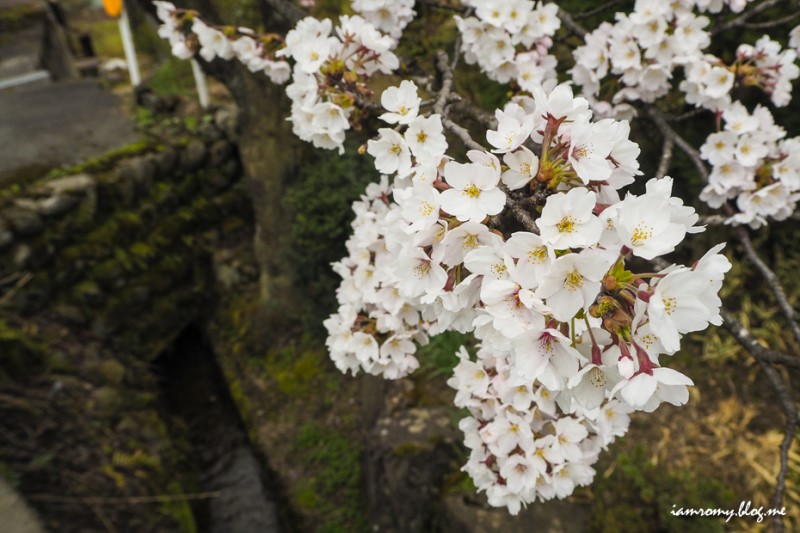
(528, 243)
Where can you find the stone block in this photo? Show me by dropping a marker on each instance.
(78, 183)
(56, 205)
(193, 156)
(25, 222)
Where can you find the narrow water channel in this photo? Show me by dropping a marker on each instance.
(220, 458)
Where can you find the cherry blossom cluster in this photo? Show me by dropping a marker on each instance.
(642, 50)
(388, 16)
(510, 40)
(794, 39)
(331, 69)
(518, 435)
(330, 75)
(188, 36)
(754, 164)
(561, 319)
(387, 325)
(709, 81)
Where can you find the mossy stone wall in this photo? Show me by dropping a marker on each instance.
(101, 267)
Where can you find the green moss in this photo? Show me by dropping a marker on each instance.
(105, 161)
(105, 38)
(179, 510)
(296, 373)
(408, 449)
(112, 371)
(334, 491)
(87, 292)
(143, 251)
(321, 200)
(172, 77)
(21, 355)
(243, 405)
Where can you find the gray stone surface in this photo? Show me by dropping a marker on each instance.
(23, 220)
(20, 55)
(409, 453)
(58, 123)
(15, 514)
(70, 184)
(465, 514)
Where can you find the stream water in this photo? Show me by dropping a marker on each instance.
(221, 459)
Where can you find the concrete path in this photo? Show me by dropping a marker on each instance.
(50, 124)
(46, 124)
(15, 515)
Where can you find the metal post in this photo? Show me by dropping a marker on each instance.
(130, 51)
(200, 82)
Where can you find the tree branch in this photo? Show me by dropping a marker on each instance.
(749, 343)
(661, 123)
(765, 358)
(772, 23)
(772, 280)
(666, 157)
(521, 214)
(570, 23)
(744, 17)
(597, 10)
(443, 66)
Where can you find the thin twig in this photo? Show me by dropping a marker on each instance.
(103, 518)
(771, 23)
(21, 282)
(596, 10)
(570, 23)
(666, 157)
(124, 500)
(686, 116)
(443, 66)
(765, 359)
(661, 123)
(763, 356)
(772, 280)
(744, 17)
(713, 220)
(749, 343)
(462, 133)
(790, 410)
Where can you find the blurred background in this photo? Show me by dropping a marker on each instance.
(164, 274)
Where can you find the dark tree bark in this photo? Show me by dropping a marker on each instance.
(270, 153)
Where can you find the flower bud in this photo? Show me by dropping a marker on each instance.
(625, 367)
